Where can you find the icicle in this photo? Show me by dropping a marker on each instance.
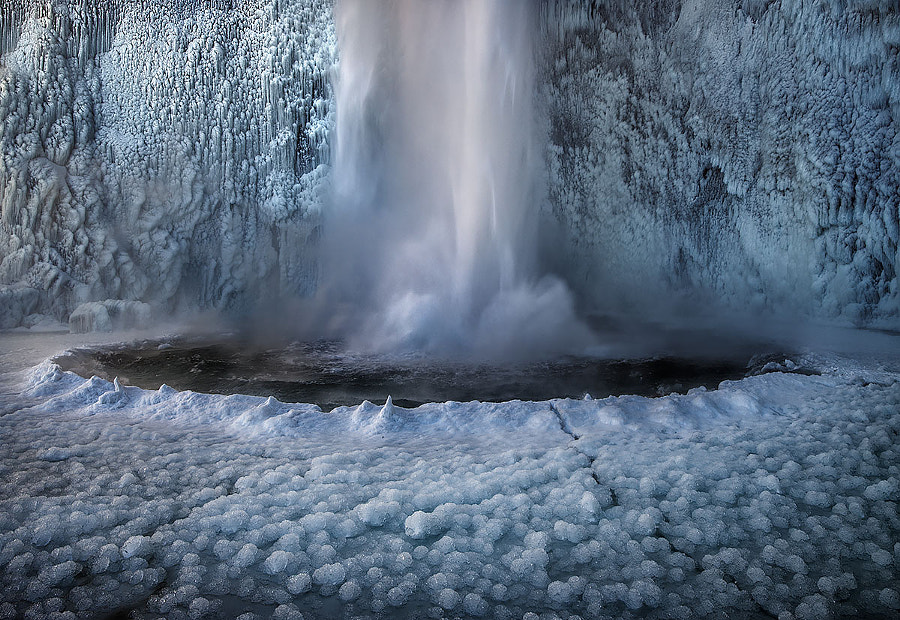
(388, 410)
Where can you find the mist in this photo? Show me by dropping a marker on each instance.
(431, 238)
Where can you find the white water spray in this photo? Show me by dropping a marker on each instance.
(434, 229)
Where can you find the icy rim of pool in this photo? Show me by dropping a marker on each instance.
(773, 496)
(734, 400)
(325, 373)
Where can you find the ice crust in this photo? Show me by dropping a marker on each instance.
(774, 495)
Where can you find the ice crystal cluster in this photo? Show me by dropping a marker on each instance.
(746, 149)
(169, 151)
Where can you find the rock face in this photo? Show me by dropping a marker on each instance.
(748, 150)
(161, 150)
(176, 152)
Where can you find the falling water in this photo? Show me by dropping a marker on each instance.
(433, 234)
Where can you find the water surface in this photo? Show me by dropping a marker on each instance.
(323, 373)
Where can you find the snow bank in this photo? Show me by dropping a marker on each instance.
(773, 495)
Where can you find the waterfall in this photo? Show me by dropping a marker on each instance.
(433, 232)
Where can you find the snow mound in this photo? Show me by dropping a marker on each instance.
(109, 315)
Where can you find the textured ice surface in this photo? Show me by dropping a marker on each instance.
(771, 495)
(109, 315)
(160, 150)
(747, 149)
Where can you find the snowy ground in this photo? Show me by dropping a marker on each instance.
(773, 496)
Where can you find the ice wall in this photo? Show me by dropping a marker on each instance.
(741, 152)
(736, 153)
(169, 151)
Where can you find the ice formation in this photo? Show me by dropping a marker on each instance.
(162, 151)
(773, 496)
(109, 315)
(176, 153)
(749, 150)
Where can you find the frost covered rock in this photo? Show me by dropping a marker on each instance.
(277, 562)
(109, 315)
(889, 598)
(135, 546)
(349, 591)
(421, 524)
(448, 598)
(246, 556)
(16, 303)
(287, 611)
(329, 575)
(55, 453)
(298, 584)
(709, 147)
(376, 512)
(475, 605)
(883, 490)
(199, 607)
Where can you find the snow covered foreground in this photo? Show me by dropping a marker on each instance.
(773, 496)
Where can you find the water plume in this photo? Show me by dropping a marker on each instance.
(432, 238)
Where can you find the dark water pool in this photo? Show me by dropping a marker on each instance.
(324, 374)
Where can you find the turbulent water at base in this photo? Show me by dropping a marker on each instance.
(432, 238)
